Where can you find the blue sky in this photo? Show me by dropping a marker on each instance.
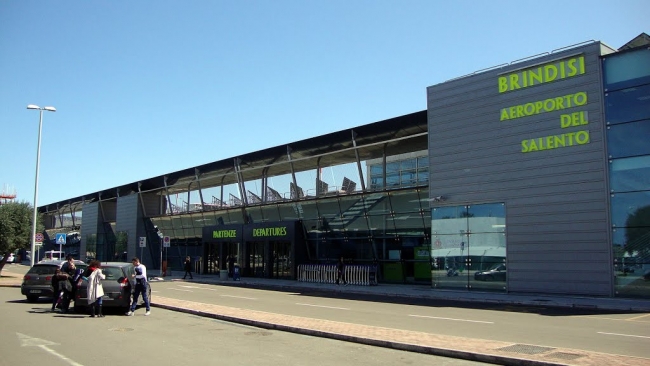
(143, 88)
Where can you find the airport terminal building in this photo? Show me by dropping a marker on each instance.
(528, 177)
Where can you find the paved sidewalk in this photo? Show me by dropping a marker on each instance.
(495, 352)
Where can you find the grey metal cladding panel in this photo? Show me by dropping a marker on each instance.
(482, 126)
(521, 259)
(591, 52)
(559, 286)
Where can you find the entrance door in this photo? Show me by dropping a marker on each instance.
(212, 254)
(230, 255)
(255, 258)
(281, 266)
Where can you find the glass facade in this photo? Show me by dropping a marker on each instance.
(469, 247)
(627, 112)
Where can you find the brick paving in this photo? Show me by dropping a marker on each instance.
(502, 353)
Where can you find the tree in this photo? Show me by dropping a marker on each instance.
(15, 228)
(637, 232)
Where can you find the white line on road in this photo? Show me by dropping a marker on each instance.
(322, 306)
(178, 289)
(623, 335)
(52, 352)
(457, 320)
(239, 297)
(27, 341)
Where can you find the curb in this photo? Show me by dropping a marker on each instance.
(435, 351)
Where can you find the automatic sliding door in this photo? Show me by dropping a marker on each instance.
(282, 264)
(256, 258)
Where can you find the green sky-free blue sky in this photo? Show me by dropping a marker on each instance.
(143, 88)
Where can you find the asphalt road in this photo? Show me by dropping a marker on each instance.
(31, 335)
(615, 333)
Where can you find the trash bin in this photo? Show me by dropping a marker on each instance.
(223, 274)
(235, 273)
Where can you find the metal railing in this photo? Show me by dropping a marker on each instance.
(362, 275)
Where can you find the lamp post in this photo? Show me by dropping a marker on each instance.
(38, 161)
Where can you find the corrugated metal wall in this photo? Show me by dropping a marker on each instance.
(556, 200)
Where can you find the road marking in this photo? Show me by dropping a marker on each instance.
(458, 320)
(27, 341)
(189, 286)
(322, 306)
(239, 297)
(638, 317)
(179, 289)
(623, 335)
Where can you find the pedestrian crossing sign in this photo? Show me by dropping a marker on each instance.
(60, 238)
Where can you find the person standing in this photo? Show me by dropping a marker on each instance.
(141, 286)
(60, 283)
(69, 266)
(231, 266)
(340, 272)
(95, 290)
(187, 265)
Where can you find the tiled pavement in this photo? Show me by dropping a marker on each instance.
(488, 351)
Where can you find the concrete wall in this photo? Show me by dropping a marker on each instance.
(556, 200)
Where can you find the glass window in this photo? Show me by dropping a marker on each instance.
(408, 178)
(376, 183)
(628, 139)
(405, 201)
(376, 170)
(627, 105)
(392, 180)
(449, 220)
(423, 162)
(628, 209)
(423, 176)
(630, 174)
(270, 213)
(392, 167)
(627, 69)
(409, 164)
(487, 218)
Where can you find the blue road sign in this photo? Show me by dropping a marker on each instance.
(60, 238)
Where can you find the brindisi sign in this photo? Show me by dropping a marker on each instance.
(569, 67)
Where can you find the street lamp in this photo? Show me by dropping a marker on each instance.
(38, 162)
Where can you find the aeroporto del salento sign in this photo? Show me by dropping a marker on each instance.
(551, 71)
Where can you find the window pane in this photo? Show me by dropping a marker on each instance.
(376, 170)
(627, 69)
(627, 105)
(392, 167)
(628, 139)
(630, 174)
(449, 220)
(487, 218)
(423, 176)
(408, 164)
(392, 180)
(408, 178)
(626, 208)
(423, 162)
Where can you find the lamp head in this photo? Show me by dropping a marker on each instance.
(51, 109)
(33, 106)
